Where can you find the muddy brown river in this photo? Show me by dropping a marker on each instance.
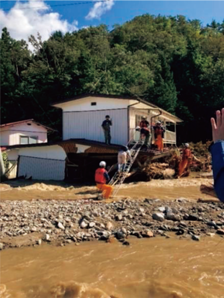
(148, 268)
(160, 189)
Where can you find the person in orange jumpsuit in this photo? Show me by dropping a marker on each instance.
(186, 160)
(159, 135)
(101, 179)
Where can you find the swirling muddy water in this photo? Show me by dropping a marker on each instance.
(160, 189)
(148, 268)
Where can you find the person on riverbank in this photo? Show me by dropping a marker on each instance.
(107, 123)
(185, 161)
(101, 179)
(159, 135)
(217, 151)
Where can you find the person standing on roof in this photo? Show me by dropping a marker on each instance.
(145, 130)
(159, 135)
(101, 179)
(186, 160)
(107, 123)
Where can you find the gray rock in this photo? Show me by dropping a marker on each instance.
(195, 237)
(123, 230)
(158, 216)
(191, 217)
(102, 226)
(220, 232)
(39, 242)
(105, 235)
(60, 226)
(147, 234)
(33, 229)
(1, 246)
(162, 209)
(182, 200)
(212, 224)
(109, 226)
(126, 243)
(119, 217)
(120, 235)
(83, 224)
(168, 210)
(172, 216)
(91, 224)
(47, 237)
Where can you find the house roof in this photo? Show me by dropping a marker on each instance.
(25, 121)
(76, 141)
(117, 97)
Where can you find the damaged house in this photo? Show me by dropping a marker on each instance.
(82, 145)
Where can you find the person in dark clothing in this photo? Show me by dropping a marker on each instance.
(145, 130)
(217, 151)
(106, 129)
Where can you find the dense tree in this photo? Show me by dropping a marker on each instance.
(173, 62)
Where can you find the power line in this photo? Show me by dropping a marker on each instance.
(56, 5)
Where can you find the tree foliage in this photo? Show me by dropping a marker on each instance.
(172, 62)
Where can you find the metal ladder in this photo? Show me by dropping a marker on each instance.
(119, 177)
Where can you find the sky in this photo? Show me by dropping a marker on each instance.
(23, 18)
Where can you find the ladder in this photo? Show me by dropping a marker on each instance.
(119, 177)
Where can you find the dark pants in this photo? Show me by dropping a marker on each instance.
(146, 135)
(107, 136)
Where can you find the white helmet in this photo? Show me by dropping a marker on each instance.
(102, 164)
(187, 145)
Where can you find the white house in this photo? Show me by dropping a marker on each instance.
(41, 161)
(23, 132)
(83, 116)
(83, 140)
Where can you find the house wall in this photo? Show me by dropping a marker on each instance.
(87, 125)
(10, 135)
(42, 163)
(13, 154)
(55, 152)
(4, 138)
(84, 104)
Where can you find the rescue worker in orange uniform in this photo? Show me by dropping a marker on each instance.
(159, 135)
(101, 179)
(186, 160)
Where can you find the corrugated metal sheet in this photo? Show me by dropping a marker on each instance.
(41, 168)
(87, 125)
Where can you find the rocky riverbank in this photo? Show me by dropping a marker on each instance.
(28, 223)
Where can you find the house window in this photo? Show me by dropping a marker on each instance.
(24, 140)
(93, 103)
(33, 140)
